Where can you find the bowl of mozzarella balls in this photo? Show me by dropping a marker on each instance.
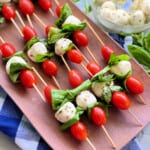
(122, 16)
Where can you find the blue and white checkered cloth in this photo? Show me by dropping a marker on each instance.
(16, 126)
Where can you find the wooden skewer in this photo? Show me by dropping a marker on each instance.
(142, 99)
(87, 61)
(29, 20)
(50, 10)
(135, 117)
(91, 28)
(56, 1)
(39, 92)
(90, 143)
(39, 76)
(19, 17)
(67, 66)
(2, 40)
(91, 54)
(17, 27)
(56, 82)
(41, 22)
(108, 136)
(84, 67)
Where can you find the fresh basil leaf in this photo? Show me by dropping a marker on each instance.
(2, 19)
(115, 88)
(76, 118)
(107, 94)
(73, 27)
(75, 1)
(54, 35)
(15, 70)
(42, 57)
(140, 55)
(61, 96)
(114, 59)
(138, 38)
(146, 42)
(65, 12)
(31, 42)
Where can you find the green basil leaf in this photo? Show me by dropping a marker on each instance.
(15, 70)
(146, 41)
(107, 94)
(55, 34)
(115, 88)
(140, 55)
(73, 27)
(76, 118)
(65, 12)
(2, 19)
(42, 57)
(114, 59)
(138, 38)
(31, 42)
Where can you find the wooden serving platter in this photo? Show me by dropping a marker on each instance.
(120, 125)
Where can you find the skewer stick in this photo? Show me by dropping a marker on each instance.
(19, 17)
(142, 99)
(17, 27)
(67, 66)
(91, 28)
(84, 67)
(29, 20)
(56, 1)
(39, 92)
(40, 77)
(135, 117)
(41, 22)
(2, 40)
(87, 61)
(108, 136)
(90, 143)
(50, 10)
(56, 82)
(91, 54)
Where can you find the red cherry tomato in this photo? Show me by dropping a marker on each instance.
(26, 7)
(50, 67)
(58, 10)
(78, 130)
(7, 49)
(75, 78)
(47, 29)
(98, 116)
(75, 56)
(28, 78)
(106, 52)
(28, 33)
(45, 4)
(8, 12)
(93, 67)
(134, 85)
(121, 100)
(47, 93)
(80, 38)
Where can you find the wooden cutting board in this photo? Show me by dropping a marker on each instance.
(120, 125)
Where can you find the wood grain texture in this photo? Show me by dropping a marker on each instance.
(121, 126)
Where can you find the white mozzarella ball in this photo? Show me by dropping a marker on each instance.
(97, 88)
(66, 112)
(106, 13)
(61, 46)
(71, 20)
(120, 17)
(137, 18)
(108, 4)
(14, 59)
(146, 7)
(36, 49)
(122, 68)
(85, 98)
